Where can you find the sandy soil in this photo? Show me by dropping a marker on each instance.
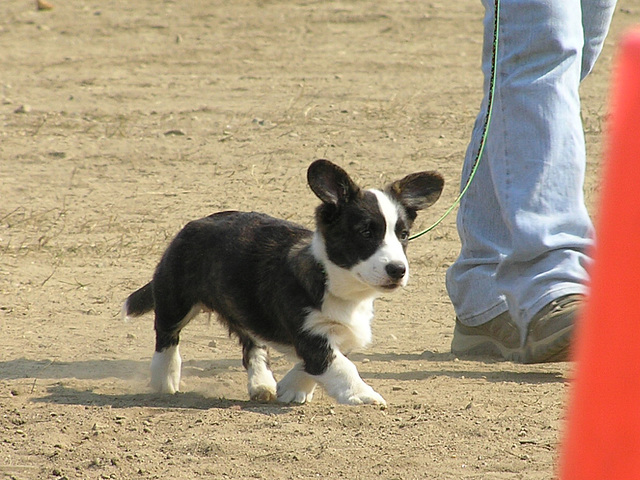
(123, 120)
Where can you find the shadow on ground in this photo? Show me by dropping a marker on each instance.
(63, 395)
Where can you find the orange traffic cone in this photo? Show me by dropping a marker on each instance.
(602, 440)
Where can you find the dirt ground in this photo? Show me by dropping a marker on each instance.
(123, 120)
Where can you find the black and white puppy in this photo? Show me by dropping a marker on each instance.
(273, 282)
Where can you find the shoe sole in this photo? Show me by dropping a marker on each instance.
(554, 348)
(482, 346)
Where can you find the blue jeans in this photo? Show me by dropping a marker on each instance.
(524, 229)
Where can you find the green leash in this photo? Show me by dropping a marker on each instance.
(485, 127)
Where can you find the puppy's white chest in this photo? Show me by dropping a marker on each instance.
(346, 324)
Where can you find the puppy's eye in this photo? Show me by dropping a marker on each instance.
(404, 234)
(366, 232)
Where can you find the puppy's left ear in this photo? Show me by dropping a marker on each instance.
(418, 190)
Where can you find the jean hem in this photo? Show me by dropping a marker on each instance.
(543, 301)
(484, 317)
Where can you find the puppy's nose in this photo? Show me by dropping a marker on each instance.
(396, 270)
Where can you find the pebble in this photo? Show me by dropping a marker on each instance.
(44, 5)
(175, 133)
(98, 428)
(23, 109)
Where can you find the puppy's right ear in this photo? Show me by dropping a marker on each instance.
(330, 183)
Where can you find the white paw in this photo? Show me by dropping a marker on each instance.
(295, 396)
(296, 386)
(261, 384)
(368, 397)
(342, 382)
(263, 393)
(165, 370)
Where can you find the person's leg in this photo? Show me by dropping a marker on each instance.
(537, 155)
(540, 158)
(523, 226)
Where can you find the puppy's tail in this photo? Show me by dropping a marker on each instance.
(138, 303)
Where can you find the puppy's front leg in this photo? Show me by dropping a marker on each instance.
(296, 386)
(342, 382)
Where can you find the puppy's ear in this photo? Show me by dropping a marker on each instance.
(330, 183)
(418, 190)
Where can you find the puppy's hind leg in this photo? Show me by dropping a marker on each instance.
(165, 370)
(255, 358)
(166, 363)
